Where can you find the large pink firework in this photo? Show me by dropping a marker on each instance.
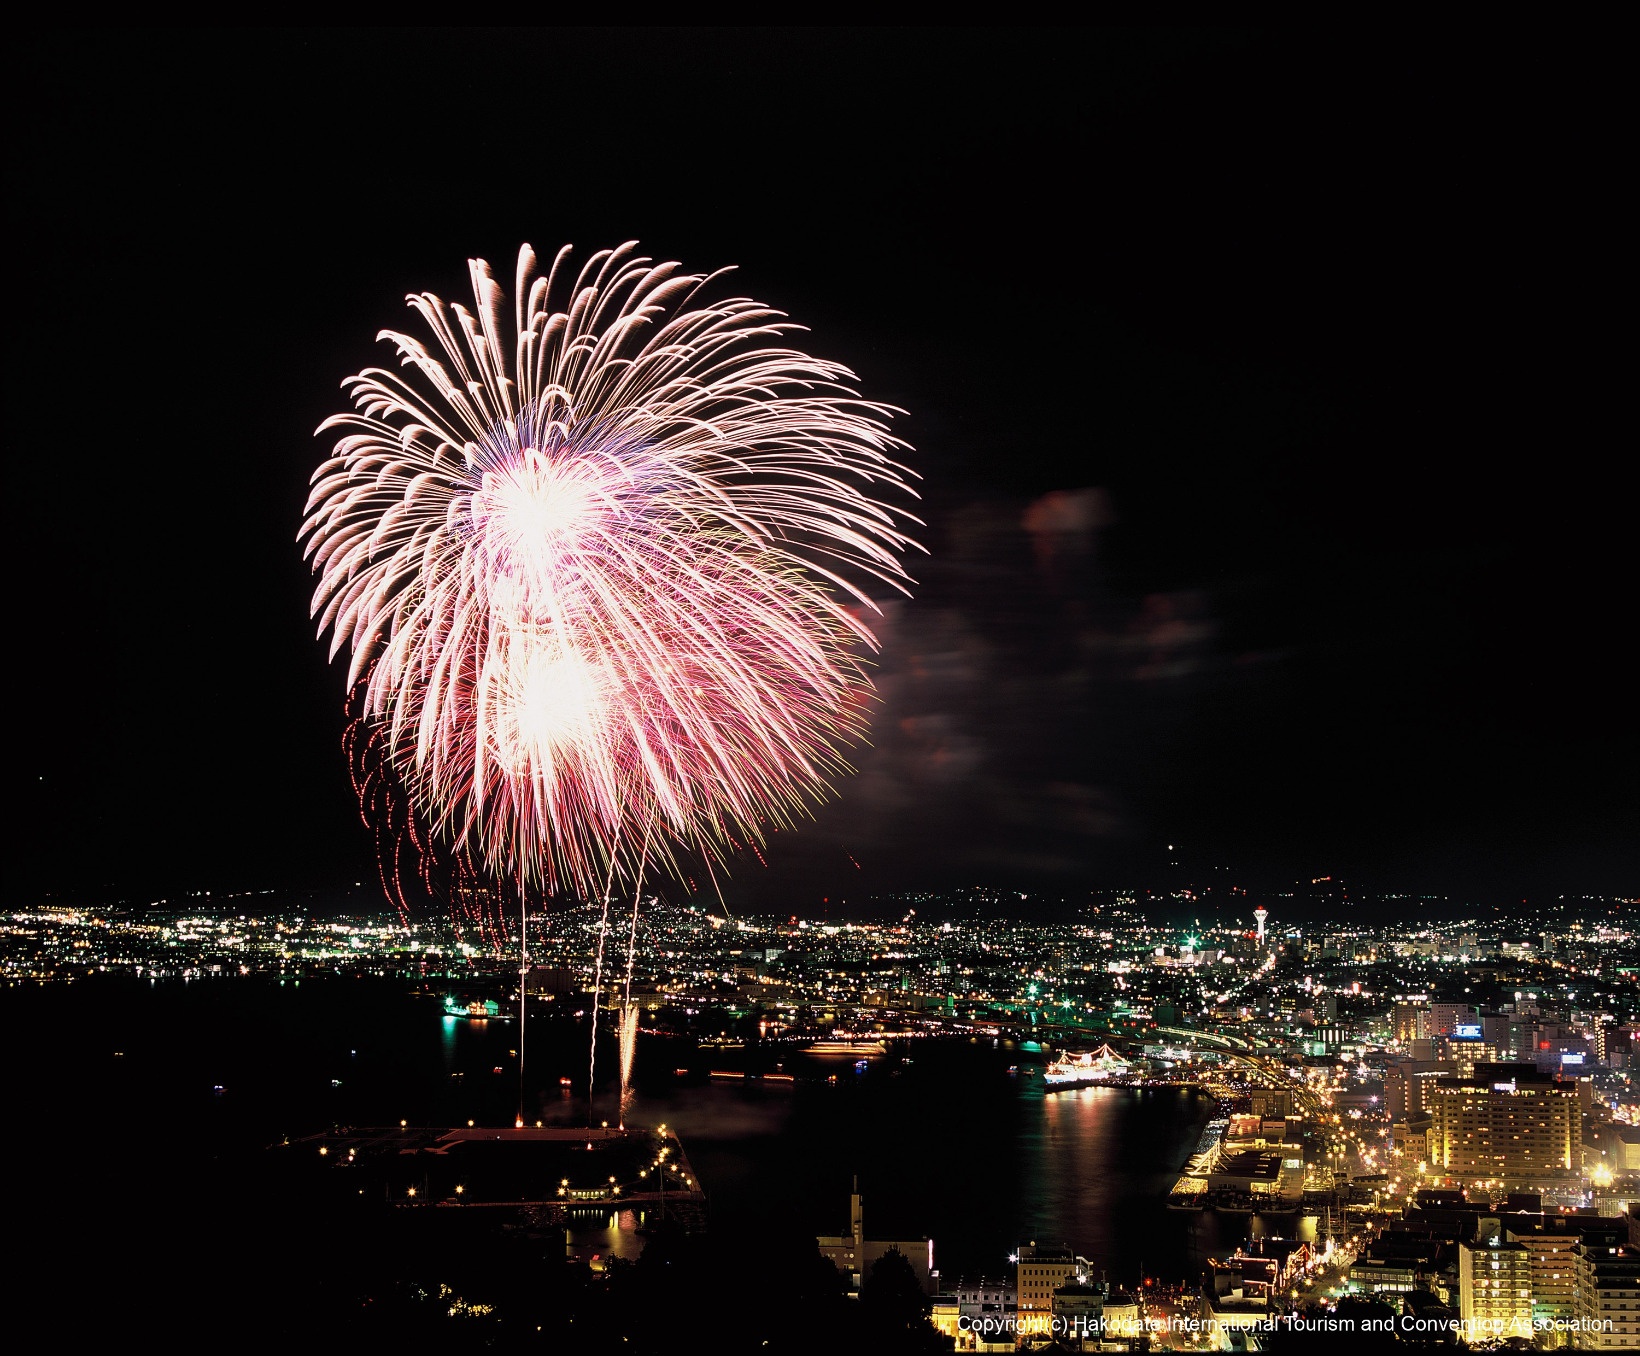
(601, 559)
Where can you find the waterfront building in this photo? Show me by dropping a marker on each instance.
(853, 1253)
(1253, 1132)
(1078, 1315)
(990, 1336)
(1495, 1289)
(1121, 1317)
(1279, 1261)
(1041, 1270)
(1508, 1124)
(1264, 1176)
(1234, 1301)
(986, 1297)
(1608, 1296)
(986, 1314)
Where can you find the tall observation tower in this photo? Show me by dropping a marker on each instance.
(1261, 913)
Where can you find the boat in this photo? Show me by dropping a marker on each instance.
(459, 1005)
(850, 1046)
(1091, 1067)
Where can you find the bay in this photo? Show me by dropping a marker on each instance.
(145, 1086)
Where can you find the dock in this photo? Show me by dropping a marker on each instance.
(547, 1172)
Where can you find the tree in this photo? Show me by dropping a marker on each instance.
(894, 1310)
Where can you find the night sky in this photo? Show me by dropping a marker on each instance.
(1265, 389)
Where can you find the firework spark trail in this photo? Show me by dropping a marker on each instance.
(598, 563)
(597, 992)
(632, 944)
(629, 1014)
(629, 1047)
(523, 994)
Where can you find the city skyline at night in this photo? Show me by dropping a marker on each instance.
(1064, 779)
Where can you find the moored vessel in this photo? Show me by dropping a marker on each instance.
(460, 1005)
(1089, 1067)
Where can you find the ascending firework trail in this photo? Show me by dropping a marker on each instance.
(600, 559)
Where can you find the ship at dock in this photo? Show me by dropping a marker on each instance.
(858, 1046)
(461, 1005)
(1089, 1068)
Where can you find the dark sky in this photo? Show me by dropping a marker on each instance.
(1264, 387)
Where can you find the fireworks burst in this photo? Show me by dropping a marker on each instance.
(600, 570)
(600, 564)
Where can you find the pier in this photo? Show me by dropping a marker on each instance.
(548, 1171)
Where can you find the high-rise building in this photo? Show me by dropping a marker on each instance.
(1411, 1138)
(1608, 1296)
(1271, 1104)
(1508, 1123)
(1495, 1289)
(1551, 1243)
(1596, 1035)
(1466, 1052)
(1412, 1022)
(1407, 1084)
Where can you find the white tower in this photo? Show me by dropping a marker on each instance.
(1261, 913)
